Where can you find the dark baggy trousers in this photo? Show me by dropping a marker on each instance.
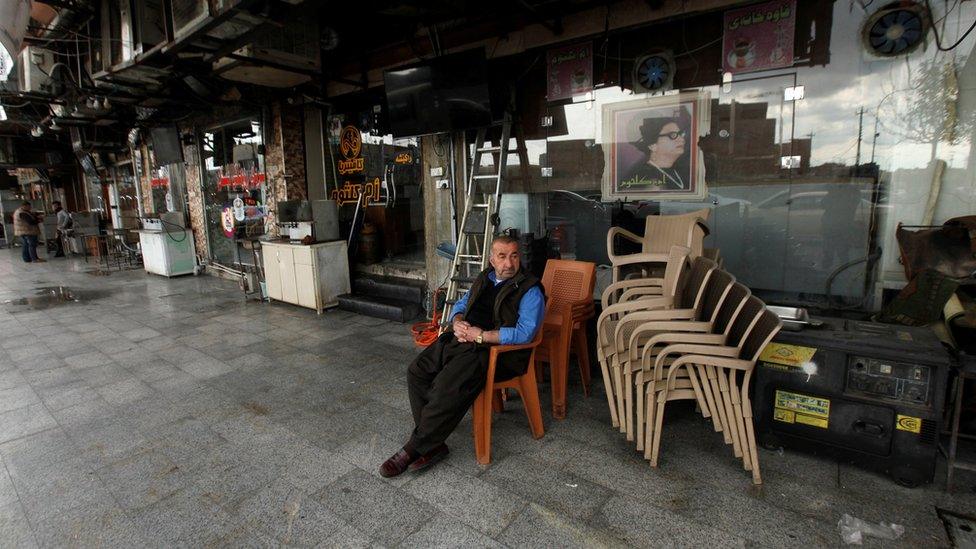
(444, 381)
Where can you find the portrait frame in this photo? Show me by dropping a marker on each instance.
(631, 173)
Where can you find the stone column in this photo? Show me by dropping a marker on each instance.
(438, 223)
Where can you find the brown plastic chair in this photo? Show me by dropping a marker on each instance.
(686, 307)
(662, 295)
(490, 398)
(735, 398)
(569, 290)
(660, 233)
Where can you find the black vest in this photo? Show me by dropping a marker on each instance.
(492, 306)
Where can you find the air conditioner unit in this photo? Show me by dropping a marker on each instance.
(279, 59)
(188, 14)
(34, 66)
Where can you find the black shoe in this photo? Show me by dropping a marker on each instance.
(430, 458)
(397, 463)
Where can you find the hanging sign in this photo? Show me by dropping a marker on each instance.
(759, 37)
(403, 158)
(240, 179)
(238, 209)
(569, 70)
(227, 221)
(158, 182)
(350, 192)
(351, 145)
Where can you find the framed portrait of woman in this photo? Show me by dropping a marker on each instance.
(652, 147)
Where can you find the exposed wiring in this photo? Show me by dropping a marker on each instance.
(682, 54)
(425, 333)
(935, 30)
(871, 259)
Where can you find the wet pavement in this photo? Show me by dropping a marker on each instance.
(137, 410)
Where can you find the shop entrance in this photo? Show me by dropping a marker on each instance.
(391, 238)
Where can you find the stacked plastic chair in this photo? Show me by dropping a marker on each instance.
(694, 334)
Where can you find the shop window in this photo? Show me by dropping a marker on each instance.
(803, 195)
(234, 183)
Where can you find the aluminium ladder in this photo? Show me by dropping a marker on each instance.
(481, 195)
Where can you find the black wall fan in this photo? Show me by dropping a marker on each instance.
(898, 28)
(654, 72)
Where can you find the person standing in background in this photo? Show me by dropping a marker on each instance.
(65, 223)
(27, 227)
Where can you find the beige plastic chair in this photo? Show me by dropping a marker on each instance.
(735, 395)
(661, 329)
(656, 293)
(698, 379)
(686, 307)
(660, 233)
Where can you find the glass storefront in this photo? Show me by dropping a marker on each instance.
(387, 171)
(234, 183)
(803, 194)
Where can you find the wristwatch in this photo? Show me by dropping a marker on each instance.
(480, 339)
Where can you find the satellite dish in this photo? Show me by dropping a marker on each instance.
(896, 29)
(654, 72)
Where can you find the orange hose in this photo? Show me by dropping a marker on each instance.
(425, 333)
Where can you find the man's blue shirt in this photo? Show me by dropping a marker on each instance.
(531, 311)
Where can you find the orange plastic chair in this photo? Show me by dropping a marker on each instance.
(490, 398)
(569, 289)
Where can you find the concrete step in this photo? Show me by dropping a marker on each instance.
(402, 289)
(380, 307)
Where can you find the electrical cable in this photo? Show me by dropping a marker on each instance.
(935, 30)
(871, 259)
(426, 332)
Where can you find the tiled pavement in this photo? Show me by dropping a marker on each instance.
(160, 412)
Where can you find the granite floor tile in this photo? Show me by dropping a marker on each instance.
(485, 507)
(142, 479)
(24, 421)
(15, 531)
(382, 511)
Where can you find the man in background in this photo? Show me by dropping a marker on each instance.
(27, 227)
(65, 223)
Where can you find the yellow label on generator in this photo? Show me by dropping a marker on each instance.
(803, 409)
(787, 355)
(909, 423)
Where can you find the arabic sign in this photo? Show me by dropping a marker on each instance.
(759, 37)
(350, 142)
(403, 158)
(245, 179)
(350, 192)
(569, 71)
(351, 145)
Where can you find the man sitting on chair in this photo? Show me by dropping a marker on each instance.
(505, 306)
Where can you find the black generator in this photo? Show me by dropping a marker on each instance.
(868, 393)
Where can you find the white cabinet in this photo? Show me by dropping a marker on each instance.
(308, 276)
